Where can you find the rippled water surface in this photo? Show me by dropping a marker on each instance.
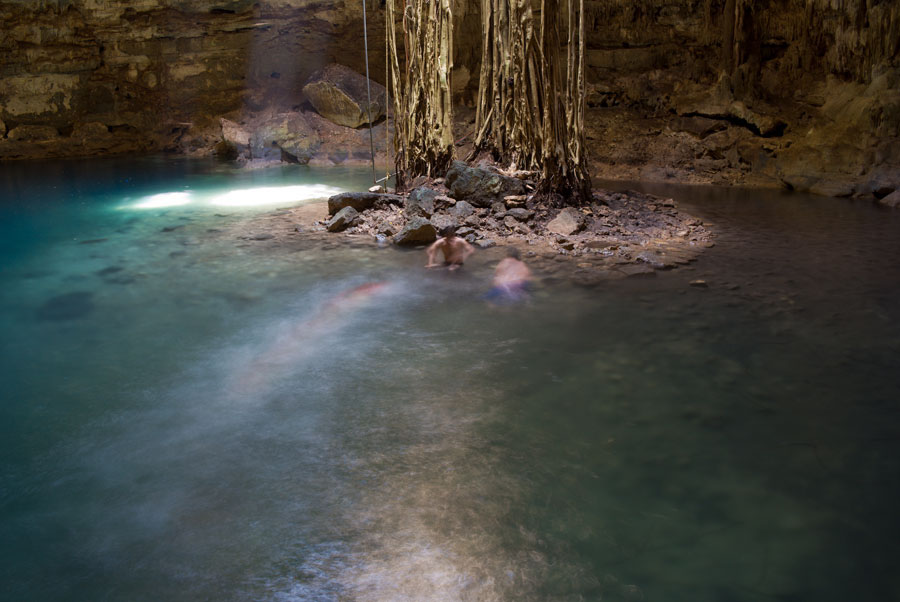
(188, 415)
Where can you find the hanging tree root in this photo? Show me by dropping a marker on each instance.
(526, 115)
(423, 111)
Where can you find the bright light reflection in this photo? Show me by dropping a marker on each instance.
(274, 194)
(165, 199)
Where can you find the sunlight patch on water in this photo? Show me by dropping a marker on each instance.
(164, 199)
(253, 197)
(244, 197)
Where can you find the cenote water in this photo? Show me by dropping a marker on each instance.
(190, 415)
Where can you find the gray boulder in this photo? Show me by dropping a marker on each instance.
(520, 214)
(462, 209)
(361, 201)
(442, 220)
(479, 186)
(339, 94)
(417, 231)
(342, 220)
(285, 137)
(420, 202)
(568, 221)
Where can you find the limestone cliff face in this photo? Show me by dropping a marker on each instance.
(803, 93)
(104, 75)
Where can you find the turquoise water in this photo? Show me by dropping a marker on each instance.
(188, 414)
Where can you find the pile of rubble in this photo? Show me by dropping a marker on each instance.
(489, 207)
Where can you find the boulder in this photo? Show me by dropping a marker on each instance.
(285, 137)
(342, 220)
(387, 228)
(417, 231)
(462, 209)
(881, 183)
(339, 94)
(420, 202)
(33, 133)
(234, 133)
(442, 220)
(361, 201)
(568, 221)
(479, 186)
(520, 214)
(891, 200)
(2, 129)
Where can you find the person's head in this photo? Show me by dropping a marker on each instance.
(513, 252)
(448, 231)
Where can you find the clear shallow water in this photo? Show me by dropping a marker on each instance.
(187, 415)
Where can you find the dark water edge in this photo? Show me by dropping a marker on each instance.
(645, 440)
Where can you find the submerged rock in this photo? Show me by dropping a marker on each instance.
(340, 95)
(70, 306)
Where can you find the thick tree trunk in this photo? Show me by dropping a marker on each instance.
(527, 115)
(423, 111)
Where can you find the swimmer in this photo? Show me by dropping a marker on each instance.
(512, 279)
(455, 250)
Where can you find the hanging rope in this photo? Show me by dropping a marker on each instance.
(369, 93)
(387, 101)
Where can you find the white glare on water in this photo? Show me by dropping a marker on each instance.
(165, 199)
(274, 194)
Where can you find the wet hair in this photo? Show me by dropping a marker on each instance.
(513, 252)
(448, 231)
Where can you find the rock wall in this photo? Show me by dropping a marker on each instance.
(798, 93)
(107, 76)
